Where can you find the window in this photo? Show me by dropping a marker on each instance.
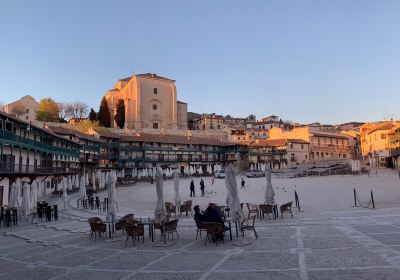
(27, 111)
(155, 90)
(154, 107)
(27, 117)
(155, 125)
(383, 136)
(302, 146)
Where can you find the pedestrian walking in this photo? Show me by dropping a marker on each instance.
(192, 193)
(242, 184)
(212, 180)
(202, 187)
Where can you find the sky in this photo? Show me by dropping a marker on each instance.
(331, 61)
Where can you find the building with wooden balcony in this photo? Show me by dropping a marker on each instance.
(31, 152)
(394, 147)
(89, 146)
(375, 142)
(279, 153)
(324, 145)
(148, 150)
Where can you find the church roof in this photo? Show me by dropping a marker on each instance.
(153, 76)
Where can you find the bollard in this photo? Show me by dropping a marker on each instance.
(372, 199)
(355, 197)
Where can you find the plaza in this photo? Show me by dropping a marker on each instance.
(328, 239)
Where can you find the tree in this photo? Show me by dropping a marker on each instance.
(92, 115)
(120, 114)
(47, 110)
(104, 116)
(86, 125)
(62, 111)
(77, 110)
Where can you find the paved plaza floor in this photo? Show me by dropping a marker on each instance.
(329, 239)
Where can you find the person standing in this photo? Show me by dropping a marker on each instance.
(202, 187)
(242, 184)
(192, 193)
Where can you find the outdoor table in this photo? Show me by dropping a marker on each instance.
(229, 221)
(275, 209)
(110, 228)
(151, 227)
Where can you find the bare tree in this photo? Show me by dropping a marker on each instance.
(76, 110)
(62, 110)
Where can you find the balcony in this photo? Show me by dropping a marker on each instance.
(89, 148)
(35, 170)
(395, 152)
(89, 160)
(10, 138)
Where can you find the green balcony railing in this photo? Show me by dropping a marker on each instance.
(12, 139)
(89, 148)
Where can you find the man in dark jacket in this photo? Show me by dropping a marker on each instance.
(192, 189)
(202, 187)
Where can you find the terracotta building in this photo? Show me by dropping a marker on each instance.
(150, 103)
(24, 108)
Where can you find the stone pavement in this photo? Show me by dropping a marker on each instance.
(356, 244)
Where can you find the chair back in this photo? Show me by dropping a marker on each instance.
(94, 220)
(171, 225)
(199, 224)
(266, 208)
(213, 228)
(287, 206)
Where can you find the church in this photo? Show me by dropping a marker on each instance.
(150, 103)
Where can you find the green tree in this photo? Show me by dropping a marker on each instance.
(92, 115)
(120, 113)
(104, 116)
(47, 110)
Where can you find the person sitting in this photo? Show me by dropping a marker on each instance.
(197, 213)
(212, 215)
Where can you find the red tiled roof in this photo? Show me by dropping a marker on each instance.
(68, 131)
(269, 143)
(382, 126)
(107, 134)
(329, 134)
(299, 141)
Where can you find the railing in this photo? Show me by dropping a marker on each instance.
(395, 152)
(268, 153)
(29, 143)
(148, 159)
(171, 149)
(88, 160)
(90, 148)
(38, 170)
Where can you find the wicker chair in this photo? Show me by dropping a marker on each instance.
(253, 209)
(120, 224)
(200, 227)
(170, 208)
(265, 209)
(286, 208)
(214, 230)
(133, 232)
(248, 224)
(186, 207)
(169, 228)
(97, 227)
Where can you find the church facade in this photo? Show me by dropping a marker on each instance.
(150, 103)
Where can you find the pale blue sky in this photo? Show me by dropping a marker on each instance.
(328, 61)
